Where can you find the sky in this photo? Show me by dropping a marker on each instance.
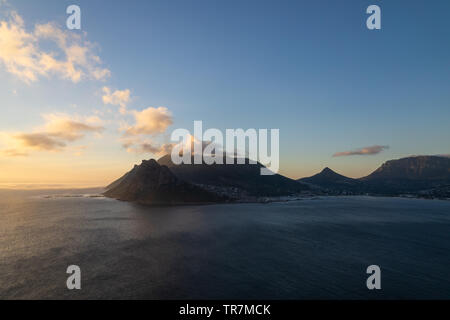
(81, 107)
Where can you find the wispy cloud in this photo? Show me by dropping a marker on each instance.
(141, 145)
(362, 151)
(14, 153)
(71, 57)
(5, 4)
(150, 121)
(39, 141)
(54, 135)
(47, 50)
(64, 127)
(118, 97)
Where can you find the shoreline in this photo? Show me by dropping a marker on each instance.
(272, 200)
(71, 193)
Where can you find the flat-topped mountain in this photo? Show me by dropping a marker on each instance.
(407, 175)
(413, 168)
(243, 180)
(410, 174)
(151, 183)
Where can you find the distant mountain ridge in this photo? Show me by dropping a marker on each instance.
(412, 174)
(407, 175)
(163, 182)
(414, 168)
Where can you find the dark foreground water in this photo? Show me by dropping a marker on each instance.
(310, 249)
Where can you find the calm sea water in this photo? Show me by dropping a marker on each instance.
(309, 249)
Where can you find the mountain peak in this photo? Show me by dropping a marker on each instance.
(163, 182)
(327, 170)
(152, 183)
(245, 179)
(150, 162)
(329, 179)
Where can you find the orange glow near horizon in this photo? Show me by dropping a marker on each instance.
(70, 174)
(44, 172)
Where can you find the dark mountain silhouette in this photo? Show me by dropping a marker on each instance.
(410, 174)
(151, 183)
(416, 175)
(241, 180)
(163, 182)
(332, 181)
(431, 168)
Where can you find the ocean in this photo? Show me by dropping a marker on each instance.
(315, 248)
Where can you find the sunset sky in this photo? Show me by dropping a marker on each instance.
(82, 107)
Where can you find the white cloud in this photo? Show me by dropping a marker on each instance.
(140, 145)
(38, 141)
(119, 98)
(47, 50)
(72, 57)
(372, 150)
(68, 128)
(150, 121)
(54, 135)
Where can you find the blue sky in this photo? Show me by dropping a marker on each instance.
(310, 68)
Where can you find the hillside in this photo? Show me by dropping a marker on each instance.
(411, 174)
(151, 183)
(242, 180)
(421, 175)
(332, 181)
